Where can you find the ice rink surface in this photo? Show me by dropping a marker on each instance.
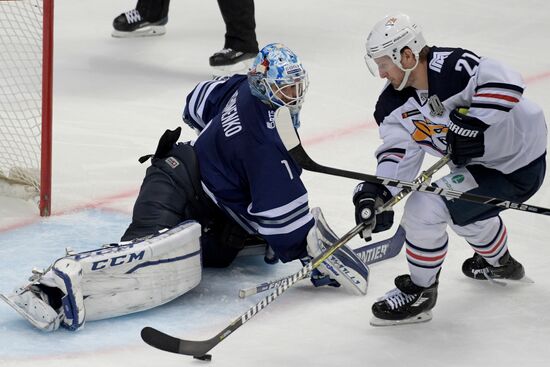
(113, 98)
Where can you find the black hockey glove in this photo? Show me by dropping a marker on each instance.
(367, 197)
(465, 138)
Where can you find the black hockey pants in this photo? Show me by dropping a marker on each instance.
(171, 193)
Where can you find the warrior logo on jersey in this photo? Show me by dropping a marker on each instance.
(430, 134)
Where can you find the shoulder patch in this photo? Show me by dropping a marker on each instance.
(172, 162)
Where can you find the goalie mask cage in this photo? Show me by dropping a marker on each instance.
(26, 47)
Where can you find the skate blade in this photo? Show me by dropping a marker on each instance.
(148, 31)
(504, 282)
(422, 317)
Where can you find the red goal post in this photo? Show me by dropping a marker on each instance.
(26, 67)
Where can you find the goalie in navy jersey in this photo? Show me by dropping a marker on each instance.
(439, 101)
(200, 204)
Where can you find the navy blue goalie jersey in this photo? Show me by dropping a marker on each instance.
(245, 168)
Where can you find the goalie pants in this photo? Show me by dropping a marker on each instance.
(171, 194)
(427, 216)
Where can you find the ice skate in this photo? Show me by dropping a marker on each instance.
(509, 268)
(132, 24)
(406, 304)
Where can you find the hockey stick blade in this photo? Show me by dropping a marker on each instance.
(159, 340)
(290, 139)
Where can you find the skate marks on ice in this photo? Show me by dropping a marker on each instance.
(213, 302)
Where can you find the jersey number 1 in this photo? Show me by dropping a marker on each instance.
(285, 163)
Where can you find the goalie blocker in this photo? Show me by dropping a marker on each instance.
(114, 280)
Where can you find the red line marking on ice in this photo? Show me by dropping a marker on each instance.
(537, 77)
(313, 140)
(95, 204)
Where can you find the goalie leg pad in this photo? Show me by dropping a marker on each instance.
(112, 281)
(141, 274)
(343, 266)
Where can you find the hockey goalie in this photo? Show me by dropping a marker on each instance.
(201, 204)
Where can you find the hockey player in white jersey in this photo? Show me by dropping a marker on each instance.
(200, 204)
(437, 101)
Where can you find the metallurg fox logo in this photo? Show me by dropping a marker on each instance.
(430, 134)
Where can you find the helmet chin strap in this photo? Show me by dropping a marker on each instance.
(407, 74)
(405, 80)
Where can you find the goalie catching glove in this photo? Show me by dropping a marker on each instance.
(367, 197)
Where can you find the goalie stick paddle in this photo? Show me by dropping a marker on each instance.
(292, 143)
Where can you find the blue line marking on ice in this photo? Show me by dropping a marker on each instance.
(206, 308)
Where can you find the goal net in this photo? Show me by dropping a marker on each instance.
(26, 43)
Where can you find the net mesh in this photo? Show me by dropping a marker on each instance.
(20, 91)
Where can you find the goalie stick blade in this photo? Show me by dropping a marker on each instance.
(383, 250)
(159, 340)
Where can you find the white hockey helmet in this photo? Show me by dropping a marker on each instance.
(388, 37)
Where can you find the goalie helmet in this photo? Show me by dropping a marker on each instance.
(388, 37)
(278, 78)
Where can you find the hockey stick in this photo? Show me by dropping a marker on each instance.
(292, 143)
(369, 254)
(199, 348)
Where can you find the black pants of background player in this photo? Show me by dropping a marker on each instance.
(238, 16)
(171, 193)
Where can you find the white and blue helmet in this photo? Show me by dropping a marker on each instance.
(278, 78)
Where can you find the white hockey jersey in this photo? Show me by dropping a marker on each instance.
(413, 123)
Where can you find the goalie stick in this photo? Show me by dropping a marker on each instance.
(369, 254)
(292, 143)
(199, 348)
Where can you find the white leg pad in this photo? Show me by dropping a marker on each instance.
(114, 280)
(141, 275)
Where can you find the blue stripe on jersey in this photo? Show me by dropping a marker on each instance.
(288, 228)
(388, 160)
(501, 86)
(398, 151)
(280, 211)
(285, 218)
